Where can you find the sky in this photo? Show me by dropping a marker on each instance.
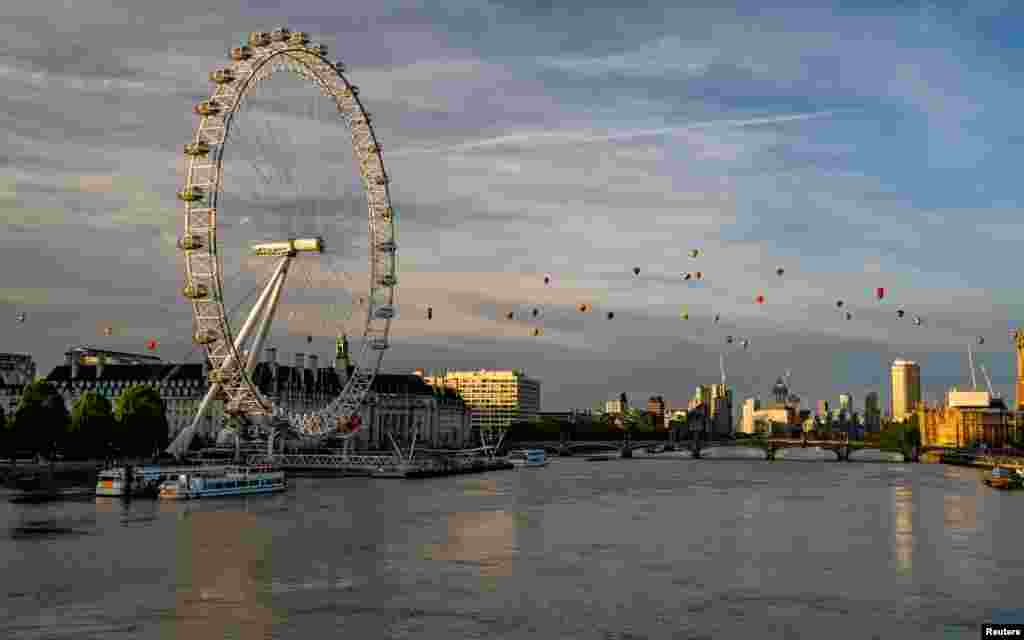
(856, 149)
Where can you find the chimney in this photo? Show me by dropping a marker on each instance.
(101, 360)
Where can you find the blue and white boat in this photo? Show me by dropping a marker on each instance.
(528, 458)
(225, 481)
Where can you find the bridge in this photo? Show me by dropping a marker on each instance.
(841, 447)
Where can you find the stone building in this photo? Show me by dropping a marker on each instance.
(968, 418)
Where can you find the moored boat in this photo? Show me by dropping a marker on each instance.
(528, 458)
(1003, 478)
(226, 481)
(144, 480)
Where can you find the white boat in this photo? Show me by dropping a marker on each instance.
(528, 458)
(138, 480)
(226, 481)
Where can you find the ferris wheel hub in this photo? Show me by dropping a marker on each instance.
(289, 247)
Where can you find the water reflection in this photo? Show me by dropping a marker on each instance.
(903, 532)
(219, 575)
(487, 538)
(481, 487)
(960, 512)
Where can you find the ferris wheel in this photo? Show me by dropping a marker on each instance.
(227, 189)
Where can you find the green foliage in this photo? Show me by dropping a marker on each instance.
(900, 437)
(41, 421)
(142, 423)
(93, 431)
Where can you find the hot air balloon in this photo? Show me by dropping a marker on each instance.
(780, 271)
(839, 304)
(536, 312)
(583, 308)
(745, 343)
(151, 344)
(849, 316)
(636, 271)
(981, 340)
(880, 292)
(108, 331)
(537, 332)
(687, 276)
(510, 315)
(917, 320)
(611, 315)
(430, 313)
(717, 318)
(900, 313)
(21, 318)
(694, 253)
(547, 279)
(699, 275)
(759, 299)
(684, 314)
(728, 339)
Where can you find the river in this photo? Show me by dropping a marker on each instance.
(664, 548)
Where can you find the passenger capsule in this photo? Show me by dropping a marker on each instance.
(379, 344)
(387, 214)
(381, 180)
(222, 76)
(197, 148)
(340, 67)
(318, 49)
(388, 246)
(190, 242)
(384, 313)
(191, 194)
(196, 291)
(280, 34)
(389, 280)
(298, 38)
(204, 337)
(636, 271)
(241, 53)
(259, 39)
(207, 108)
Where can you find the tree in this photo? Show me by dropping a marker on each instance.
(92, 431)
(142, 422)
(41, 420)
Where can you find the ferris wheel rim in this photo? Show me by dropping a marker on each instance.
(246, 70)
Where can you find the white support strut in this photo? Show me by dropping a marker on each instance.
(184, 439)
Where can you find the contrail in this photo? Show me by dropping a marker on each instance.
(558, 137)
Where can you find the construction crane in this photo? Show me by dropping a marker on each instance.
(988, 382)
(721, 366)
(970, 359)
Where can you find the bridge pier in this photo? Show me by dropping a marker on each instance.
(564, 451)
(771, 451)
(626, 452)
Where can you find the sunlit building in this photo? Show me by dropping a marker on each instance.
(750, 407)
(968, 418)
(906, 389)
(495, 398)
(872, 413)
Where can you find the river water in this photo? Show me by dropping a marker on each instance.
(662, 548)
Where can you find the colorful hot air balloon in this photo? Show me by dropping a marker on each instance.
(880, 292)
(584, 308)
(510, 315)
(699, 275)
(430, 313)
(536, 312)
(537, 332)
(547, 279)
(21, 318)
(759, 299)
(151, 344)
(108, 331)
(694, 253)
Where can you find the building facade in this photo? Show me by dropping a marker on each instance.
(496, 398)
(906, 389)
(750, 407)
(872, 413)
(967, 419)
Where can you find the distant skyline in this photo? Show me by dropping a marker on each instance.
(857, 149)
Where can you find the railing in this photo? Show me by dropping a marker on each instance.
(313, 460)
